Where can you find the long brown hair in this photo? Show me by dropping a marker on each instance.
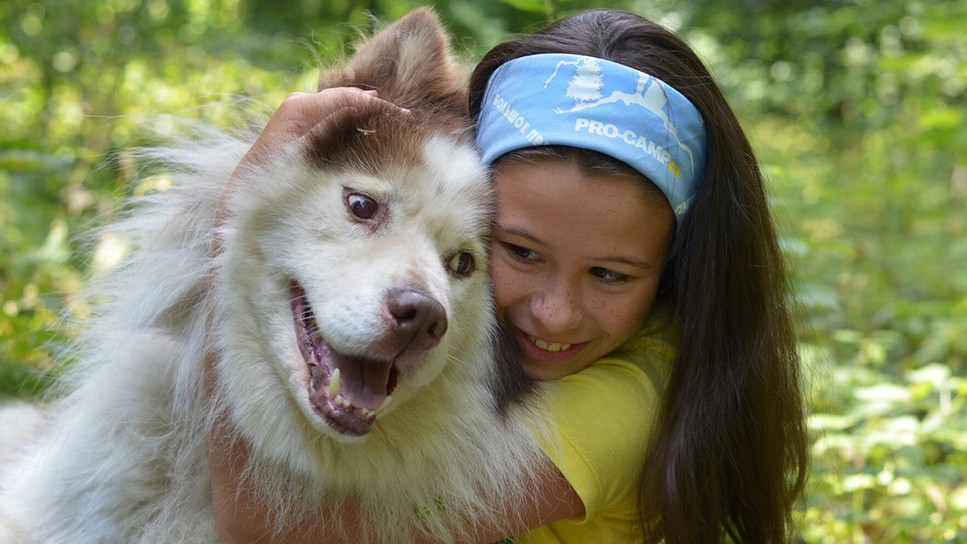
(730, 456)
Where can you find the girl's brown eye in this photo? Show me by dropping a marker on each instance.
(462, 264)
(361, 206)
(522, 253)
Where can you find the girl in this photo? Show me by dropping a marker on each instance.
(631, 219)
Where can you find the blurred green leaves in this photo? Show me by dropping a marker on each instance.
(865, 147)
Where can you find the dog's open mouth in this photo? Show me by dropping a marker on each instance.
(347, 391)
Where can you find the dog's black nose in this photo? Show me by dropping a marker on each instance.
(418, 320)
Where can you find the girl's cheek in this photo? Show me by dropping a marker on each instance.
(502, 286)
(509, 286)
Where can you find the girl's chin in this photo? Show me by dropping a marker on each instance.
(543, 370)
(541, 373)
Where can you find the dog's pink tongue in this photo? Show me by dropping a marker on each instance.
(364, 382)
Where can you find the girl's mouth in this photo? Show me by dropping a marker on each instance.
(544, 350)
(548, 346)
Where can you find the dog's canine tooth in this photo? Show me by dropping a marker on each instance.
(382, 406)
(335, 384)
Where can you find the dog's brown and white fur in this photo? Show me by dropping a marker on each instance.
(364, 251)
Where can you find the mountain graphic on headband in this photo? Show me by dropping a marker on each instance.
(588, 81)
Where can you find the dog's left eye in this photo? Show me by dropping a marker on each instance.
(361, 206)
(462, 264)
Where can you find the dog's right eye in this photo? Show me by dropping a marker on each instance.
(462, 264)
(361, 206)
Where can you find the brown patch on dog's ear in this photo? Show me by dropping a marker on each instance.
(337, 132)
(410, 64)
(359, 137)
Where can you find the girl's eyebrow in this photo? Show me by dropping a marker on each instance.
(630, 261)
(517, 232)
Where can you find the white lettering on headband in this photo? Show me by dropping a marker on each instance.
(591, 103)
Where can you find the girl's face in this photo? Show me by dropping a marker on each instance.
(576, 261)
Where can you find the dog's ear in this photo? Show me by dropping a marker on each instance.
(410, 64)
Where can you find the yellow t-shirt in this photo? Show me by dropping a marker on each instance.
(599, 429)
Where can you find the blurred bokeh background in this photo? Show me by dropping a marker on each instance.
(857, 108)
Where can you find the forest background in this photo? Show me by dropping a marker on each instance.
(857, 108)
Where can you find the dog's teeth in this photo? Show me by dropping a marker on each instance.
(335, 384)
(342, 402)
(367, 413)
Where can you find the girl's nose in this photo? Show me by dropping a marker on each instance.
(557, 305)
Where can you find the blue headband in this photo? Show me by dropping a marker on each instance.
(591, 103)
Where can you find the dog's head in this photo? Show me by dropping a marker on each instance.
(355, 268)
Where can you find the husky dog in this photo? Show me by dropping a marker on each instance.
(349, 316)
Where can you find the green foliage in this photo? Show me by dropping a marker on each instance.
(858, 115)
(856, 107)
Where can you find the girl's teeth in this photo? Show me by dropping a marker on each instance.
(553, 346)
